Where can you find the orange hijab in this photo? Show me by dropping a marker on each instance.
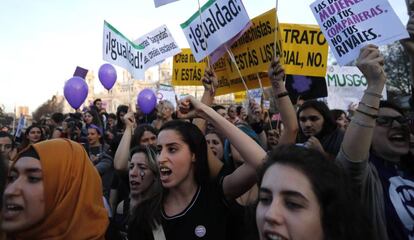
(73, 194)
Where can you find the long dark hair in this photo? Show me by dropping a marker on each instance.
(26, 141)
(120, 125)
(96, 119)
(194, 138)
(341, 215)
(139, 131)
(147, 215)
(329, 125)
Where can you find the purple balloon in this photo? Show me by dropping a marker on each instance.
(107, 75)
(75, 91)
(146, 100)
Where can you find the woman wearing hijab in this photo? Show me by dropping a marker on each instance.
(54, 192)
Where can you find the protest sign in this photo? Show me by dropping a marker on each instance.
(305, 50)
(239, 97)
(80, 72)
(159, 3)
(166, 92)
(348, 25)
(222, 21)
(256, 48)
(345, 85)
(305, 87)
(256, 94)
(21, 124)
(118, 50)
(186, 70)
(304, 46)
(158, 45)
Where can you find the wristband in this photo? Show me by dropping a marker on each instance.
(283, 94)
(374, 116)
(373, 94)
(369, 106)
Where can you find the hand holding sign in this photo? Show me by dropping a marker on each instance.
(209, 81)
(189, 107)
(371, 62)
(276, 74)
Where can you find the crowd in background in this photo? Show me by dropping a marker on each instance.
(206, 171)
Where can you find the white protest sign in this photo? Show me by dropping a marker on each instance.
(158, 45)
(222, 21)
(349, 25)
(345, 85)
(166, 92)
(159, 3)
(256, 94)
(118, 50)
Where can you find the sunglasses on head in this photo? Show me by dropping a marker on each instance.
(387, 121)
(310, 118)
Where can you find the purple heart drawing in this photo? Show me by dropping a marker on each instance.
(301, 83)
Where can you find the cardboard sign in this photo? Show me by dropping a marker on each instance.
(305, 50)
(256, 94)
(186, 70)
(120, 51)
(158, 45)
(222, 21)
(305, 87)
(345, 85)
(80, 72)
(239, 97)
(352, 24)
(159, 3)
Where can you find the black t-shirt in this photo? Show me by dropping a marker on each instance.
(204, 218)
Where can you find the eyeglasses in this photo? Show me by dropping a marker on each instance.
(310, 118)
(387, 121)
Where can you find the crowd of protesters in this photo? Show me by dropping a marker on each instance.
(206, 171)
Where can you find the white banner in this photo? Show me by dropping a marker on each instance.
(166, 92)
(349, 25)
(222, 21)
(345, 85)
(158, 45)
(120, 51)
(159, 3)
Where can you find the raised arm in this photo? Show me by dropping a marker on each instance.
(287, 111)
(210, 85)
(122, 152)
(244, 177)
(358, 136)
